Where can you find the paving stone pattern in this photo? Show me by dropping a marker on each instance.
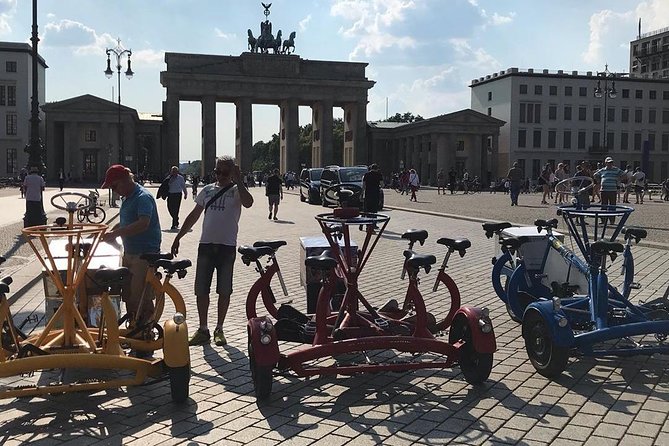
(595, 402)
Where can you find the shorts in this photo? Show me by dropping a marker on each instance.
(210, 257)
(132, 291)
(638, 189)
(274, 200)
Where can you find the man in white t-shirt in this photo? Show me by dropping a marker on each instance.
(34, 185)
(218, 243)
(639, 179)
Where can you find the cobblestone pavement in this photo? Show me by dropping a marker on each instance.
(651, 215)
(595, 402)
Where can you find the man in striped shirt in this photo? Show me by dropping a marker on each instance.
(609, 178)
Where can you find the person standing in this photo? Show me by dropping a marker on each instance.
(560, 174)
(176, 187)
(441, 182)
(452, 180)
(545, 181)
(139, 229)
(274, 193)
(221, 203)
(465, 181)
(371, 185)
(639, 179)
(196, 182)
(61, 179)
(608, 178)
(514, 177)
(33, 186)
(414, 182)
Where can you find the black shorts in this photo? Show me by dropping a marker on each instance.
(210, 257)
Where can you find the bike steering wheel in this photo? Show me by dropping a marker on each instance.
(575, 185)
(82, 201)
(352, 192)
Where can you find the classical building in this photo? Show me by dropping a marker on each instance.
(15, 96)
(649, 55)
(464, 139)
(560, 116)
(82, 132)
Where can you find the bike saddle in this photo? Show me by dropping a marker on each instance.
(251, 254)
(172, 266)
(153, 257)
(111, 275)
(459, 244)
(415, 235)
(603, 247)
(345, 194)
(633, 232)
(321, 262)
(513, 243)
(4, 284)
(274, 244)
(491, 228)
(416, 261)
(60, 221)
(541, 224)
(2, 260)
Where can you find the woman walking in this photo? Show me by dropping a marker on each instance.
(545, 182)
(414, 182)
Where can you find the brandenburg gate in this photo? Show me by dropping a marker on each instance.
(278, 78)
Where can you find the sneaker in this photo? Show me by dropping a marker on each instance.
(200, 337)
(269, 217)
(275, 218)
(219, 338)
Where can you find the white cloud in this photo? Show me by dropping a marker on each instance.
(51, 16)
(494, 19)
(7, 11)
(81, 38)
(432, 81)
(148, 57)
(498, 19)
(371, 20)
(477, 58)
(223, 35)
(305, 22)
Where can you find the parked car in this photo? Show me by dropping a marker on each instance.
(350, 176)
(310, 185)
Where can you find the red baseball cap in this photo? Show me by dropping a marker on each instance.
(114, 173)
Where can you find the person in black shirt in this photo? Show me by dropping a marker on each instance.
(274, 193)
(452, 179)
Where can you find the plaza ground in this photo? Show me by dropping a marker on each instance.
(594, 402)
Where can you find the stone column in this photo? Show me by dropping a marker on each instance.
(494, 157)
(484, 159)
(129, 144)
(288, 137)
(208, 136)
(434, 168)
(171, 116)
(425, 160)
(415, 155)
(106, 147)
(451, 149)
(442, 152)
(244, 134)
(54, 156)
(355, 134)
(322, 151)
(71, 144)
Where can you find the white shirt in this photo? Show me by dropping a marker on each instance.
(33, 185)
(221, 221)
(177, 184)
(413, 179)
(638, 178)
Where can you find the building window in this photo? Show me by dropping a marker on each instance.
(552, 112)
(566, 139)
(538, 89)
(595, 139)
(460, 146)
(638, 94)
(610, 140)
(536, 168)
(10, 66)
(11, 95)
(665, 142)
(625, 115)
(536, 139)
(665, 116)
(665, 95)
(581, 140)
(567, 113)
(582, 91)
(637, 141)
(652, 94)
(624, 141)
(11, 121)
(582, 113)
(611, 114)
(11, 161)
(567, 91)
(490, 95)
(530, 113)
(596, 114)
(626, 93)
(90, 136)
(552, 90)
(489, 111)
(638, 115)
(651, 141)
(523, 112)
(3, 95)
(652, 116)
(523, 88)
(522, 136)
(551, 139)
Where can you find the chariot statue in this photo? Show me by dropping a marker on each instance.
(266, 40)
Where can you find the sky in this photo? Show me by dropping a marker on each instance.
(422, 54)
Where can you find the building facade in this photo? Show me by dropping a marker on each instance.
(556, 117)
(649, 55)
(15, 95)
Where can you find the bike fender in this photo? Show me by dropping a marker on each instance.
(561, 336)
(175, 344)
(265, 354)
(483, 342)
(497, 276)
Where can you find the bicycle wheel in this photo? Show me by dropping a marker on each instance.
(179, 380)
(475, 366)
(81, 215)
(260, 375)
(546, 357)
(97, 216)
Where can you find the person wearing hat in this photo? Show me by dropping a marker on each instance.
(608, 178)
(139, 229)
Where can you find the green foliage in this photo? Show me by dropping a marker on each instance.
(192, 168)
(266, 154)
(406, 117)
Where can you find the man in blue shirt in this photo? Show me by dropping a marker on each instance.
(139, 230)
(609, 177)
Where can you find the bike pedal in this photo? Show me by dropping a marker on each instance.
(635, 286)
(619, 313)
(541, 276)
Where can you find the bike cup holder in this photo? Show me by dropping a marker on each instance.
(588, 224)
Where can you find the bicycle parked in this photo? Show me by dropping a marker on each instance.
(92, 213)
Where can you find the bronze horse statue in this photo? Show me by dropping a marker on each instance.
(288, 44)
(252, 42)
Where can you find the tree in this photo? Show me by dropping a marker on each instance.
(406, 117)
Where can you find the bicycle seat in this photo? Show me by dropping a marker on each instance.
(2, 260)
(415, 235)
(274, 244)
(513, 243)
(172, 266)
(425, 261)
(4, 284)
(460, 244)
(321, 262)
(111, 275)
(60, 221)
(251, 254)
(603, 247)
(345, 194)
(539, 223)
(491, 228)
(153, 257)
(634, 232)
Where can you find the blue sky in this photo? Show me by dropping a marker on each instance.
(421, 53)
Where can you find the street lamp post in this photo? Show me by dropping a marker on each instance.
(605, 92)
(34, 213)
(119, 52)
